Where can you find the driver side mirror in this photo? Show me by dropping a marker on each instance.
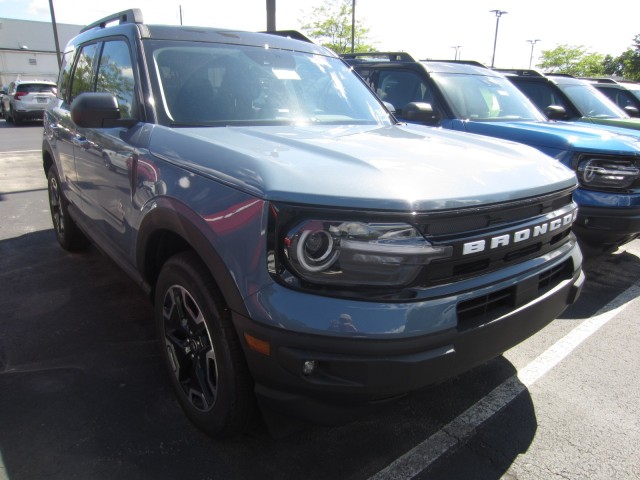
(555, 112)
(632, 111)
(420, 112)
(98, 110)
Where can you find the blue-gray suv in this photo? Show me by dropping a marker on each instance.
(307, 255)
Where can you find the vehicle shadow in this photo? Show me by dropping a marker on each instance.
(607, 276)
(85, 395)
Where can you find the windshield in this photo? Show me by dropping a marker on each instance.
(217, 84)
(591, 102)
(485, 98)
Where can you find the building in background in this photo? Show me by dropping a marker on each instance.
(27, 49)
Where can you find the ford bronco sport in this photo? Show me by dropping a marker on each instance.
(306, 254)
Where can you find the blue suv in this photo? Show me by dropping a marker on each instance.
(307, 255)
(566, 98)
(468, 97)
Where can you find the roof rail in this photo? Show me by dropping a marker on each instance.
(294, 34)
(520, 72)
(599, 80)
(133, 15)
(379, 56)
(473, 63)
(554, 74)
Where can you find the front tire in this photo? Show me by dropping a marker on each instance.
(201, 349)
(67, 232)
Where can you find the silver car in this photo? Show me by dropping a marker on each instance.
(27, 100)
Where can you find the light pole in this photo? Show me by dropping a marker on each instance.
(353, 25)
(532, 42)
(55, 34)
(498, 13)
(271, 15)
(457, 47)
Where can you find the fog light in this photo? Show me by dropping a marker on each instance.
(309, 366)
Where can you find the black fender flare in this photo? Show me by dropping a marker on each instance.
(175, 217)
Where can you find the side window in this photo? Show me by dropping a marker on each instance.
(624, 99)
(542, 95)
(64, 79)
(401, 87)
(115, 75)
(366, 74)
(83, 74)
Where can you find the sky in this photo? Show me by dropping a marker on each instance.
(424, 28)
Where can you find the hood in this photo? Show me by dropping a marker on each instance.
(624, 123)
(580, 137)
(400, 167)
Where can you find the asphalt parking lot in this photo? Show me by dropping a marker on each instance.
(83, 394)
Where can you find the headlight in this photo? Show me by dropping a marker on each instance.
(356, 253)
(598, 172)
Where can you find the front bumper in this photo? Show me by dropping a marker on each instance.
(357, 371)
(606, 228)
(606, 219)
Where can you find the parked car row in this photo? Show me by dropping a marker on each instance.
(467, 96)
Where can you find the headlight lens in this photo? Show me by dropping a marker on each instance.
(598, 172)
(357, 253)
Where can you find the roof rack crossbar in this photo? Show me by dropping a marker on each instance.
(133, 15)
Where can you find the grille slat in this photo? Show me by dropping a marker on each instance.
(485, 308)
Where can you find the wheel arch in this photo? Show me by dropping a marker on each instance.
(47, 158)
(165, 232)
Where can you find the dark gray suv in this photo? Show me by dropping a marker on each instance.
(307, 255)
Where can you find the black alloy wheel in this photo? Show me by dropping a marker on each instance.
(190, 349)
(201, 350)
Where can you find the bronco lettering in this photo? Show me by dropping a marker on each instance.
(507, 239)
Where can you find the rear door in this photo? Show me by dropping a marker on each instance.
(58, 125)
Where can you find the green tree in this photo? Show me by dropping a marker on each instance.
(626, 65)
(330, 26)
(574, 60)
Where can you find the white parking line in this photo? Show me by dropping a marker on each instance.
(14, 152)
(462, 427)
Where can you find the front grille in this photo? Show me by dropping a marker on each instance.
(453, 223)
(474, 252)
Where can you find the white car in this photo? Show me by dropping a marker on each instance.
(27, 100)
